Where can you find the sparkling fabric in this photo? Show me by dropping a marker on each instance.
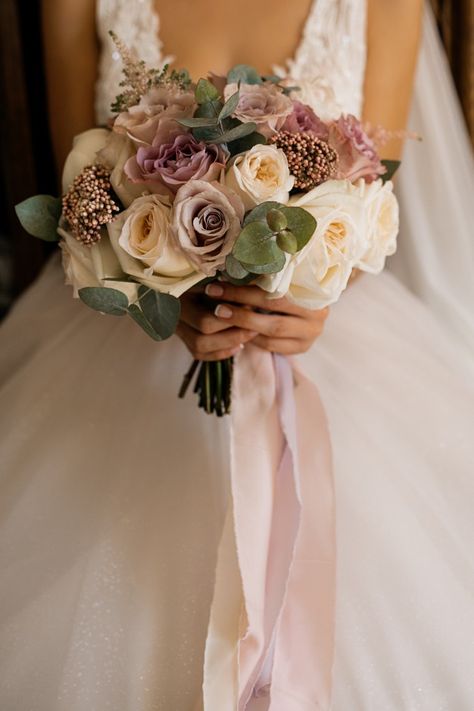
(113, 493)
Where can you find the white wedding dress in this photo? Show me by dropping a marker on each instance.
(113, 492)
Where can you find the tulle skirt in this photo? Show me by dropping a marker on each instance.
(113, 495)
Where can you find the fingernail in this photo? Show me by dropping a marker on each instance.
(214, 290)
(223, 311)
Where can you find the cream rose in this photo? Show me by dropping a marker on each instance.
(382, 214)
(84, 152)
(317, 275)
(143, 241)
(259, 175)
(116, 152)
(87, 265)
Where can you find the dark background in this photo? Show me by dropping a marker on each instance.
(26, 164)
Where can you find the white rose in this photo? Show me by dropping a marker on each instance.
(86, 265)
(259, 175)
(317, 275)
(382, 212)
(84, 151)
(116, 152)
(143, 241)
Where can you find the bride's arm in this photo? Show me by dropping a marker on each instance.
(71, 54)
(393, 33)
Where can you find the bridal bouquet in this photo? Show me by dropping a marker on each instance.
(230, 178)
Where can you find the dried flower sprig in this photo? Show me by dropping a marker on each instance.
(311, 160)
(88, 204)
(139, 78)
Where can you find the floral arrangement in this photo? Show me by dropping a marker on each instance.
(229, 178)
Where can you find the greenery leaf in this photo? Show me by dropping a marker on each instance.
(39, 216)
(243, 129)
(246, 143)
(270, 268)
(274, 78)
(234, 268)
(229, 106)
(301, 223)
(211, 109)
(260, 212)
(245, 74)
(256, 246)
(286, 240)
(107, 301)
(392, 166)
(197, 122)
(205, 91)
(161, 311)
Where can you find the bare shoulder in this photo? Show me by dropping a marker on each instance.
(393, 34)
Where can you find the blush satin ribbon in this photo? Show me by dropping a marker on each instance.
(271, 628)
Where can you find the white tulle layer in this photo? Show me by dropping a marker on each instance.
(113, 495)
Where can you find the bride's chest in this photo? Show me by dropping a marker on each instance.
(213, 35)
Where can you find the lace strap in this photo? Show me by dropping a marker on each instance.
(137, 24)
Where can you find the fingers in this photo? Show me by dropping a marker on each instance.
(199, 316)
(251, 296)
(274, 325)
(215, 346)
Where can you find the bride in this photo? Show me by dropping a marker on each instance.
(114, 493)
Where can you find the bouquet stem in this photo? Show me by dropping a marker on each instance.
(213, 385)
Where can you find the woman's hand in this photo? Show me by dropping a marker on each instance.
(219, 326)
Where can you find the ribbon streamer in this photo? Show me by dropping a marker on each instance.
(270, 641)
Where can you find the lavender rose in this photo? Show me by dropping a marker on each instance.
(206, 218)
(174, 164)
(141, 122)
(356, 152)
(265, 104)
(303, 120)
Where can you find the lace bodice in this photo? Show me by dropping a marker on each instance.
(329, 63)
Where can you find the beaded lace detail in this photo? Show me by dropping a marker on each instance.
(328, 65)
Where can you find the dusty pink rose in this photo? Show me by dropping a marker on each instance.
(174, 164)
(206, 219)
(141, 122)
(264, 104)
(303, 120)
(357, 156)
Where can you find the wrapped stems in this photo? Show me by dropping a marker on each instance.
(213, 385)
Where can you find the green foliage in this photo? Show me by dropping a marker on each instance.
(229, 106)
(243, 129)
(256, 245)
(260, 212)
(206, 92)
(301, 223)
(39, 216)
(234, 268)
(276, 220)
(287, 242)
(392, 166)
(105, 300)
(246, 143)
(245, 74)
(196, 122)
(158, 314)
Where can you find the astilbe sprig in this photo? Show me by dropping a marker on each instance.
(139, 78)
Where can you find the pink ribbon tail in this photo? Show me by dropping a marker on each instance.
(278, 548)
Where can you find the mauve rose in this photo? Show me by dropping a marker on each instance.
(264, 104)
(206, 218)
(303, 120)
(357, 156)
(174, 164)
(141, 122)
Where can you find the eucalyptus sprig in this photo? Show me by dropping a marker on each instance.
(270, 232)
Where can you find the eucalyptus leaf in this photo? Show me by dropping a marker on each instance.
(138, 316)
(205, 91)
(392, 166)
(286, 240)
(301, 223)
(105, 300)
(197, 122)
(274, 78)
(207, 134)
(256, 246)
(270, 267)
(160, 310)
(234, 268)
(260, 212)
(245, 74)
(246, 143)
(243, 129)
(229, 106)
(39, 216)
(211, 109)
